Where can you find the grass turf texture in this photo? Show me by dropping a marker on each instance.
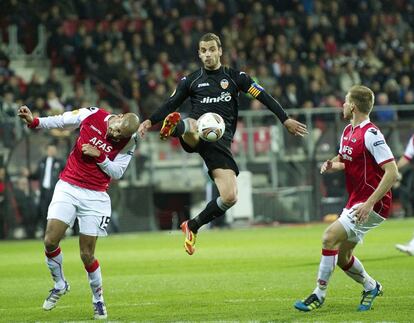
(235, 275)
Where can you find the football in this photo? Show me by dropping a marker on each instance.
(210, 126)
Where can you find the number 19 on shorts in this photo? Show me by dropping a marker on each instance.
(104, 222)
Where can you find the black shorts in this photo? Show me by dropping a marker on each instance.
(215, 154)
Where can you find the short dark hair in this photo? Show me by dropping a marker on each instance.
(362, 97)
(209, 37)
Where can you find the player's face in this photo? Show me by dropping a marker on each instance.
(115, 130)
(210, 54)
(348, 108)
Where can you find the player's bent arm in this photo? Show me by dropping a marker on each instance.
(173, 102)
(117, 167)
(70, 119)
(332, 165)
(337, 164)
(389, 178)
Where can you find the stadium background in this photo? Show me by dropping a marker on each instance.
(128, 55)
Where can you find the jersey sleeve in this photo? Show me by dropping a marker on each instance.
(376, 145)
(248, 85)
(116, 168)
(70, 119)
(409, 150)
(181, 93)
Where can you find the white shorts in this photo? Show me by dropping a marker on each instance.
(356, 232)
(92, 208)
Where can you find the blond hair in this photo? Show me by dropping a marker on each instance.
(362, 97)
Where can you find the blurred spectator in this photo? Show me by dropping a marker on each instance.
(3, 202)
(53, 83)
(35, 89)
(154, 101)
(25, 206)
(54, 104)
(8, 112)
(336, 44)
(47, 173)
(349, 76)
(383, 111)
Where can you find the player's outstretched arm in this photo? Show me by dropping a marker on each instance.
(295, 127)
(248, 85)
(144, 127)
(25, 114)
(67, 120)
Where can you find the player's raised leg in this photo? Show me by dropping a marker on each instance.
(175, 126)
(55, 230)
(225, 180)
(332, 238)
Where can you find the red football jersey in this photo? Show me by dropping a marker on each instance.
(409, 150)
(363, 150)
(86, 171)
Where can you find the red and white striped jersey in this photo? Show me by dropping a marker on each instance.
(409, 150)
(363, 150)
(85, 171)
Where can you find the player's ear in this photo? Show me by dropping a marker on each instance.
(220, 50)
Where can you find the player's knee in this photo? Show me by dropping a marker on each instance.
(329, 240)
(50, 242)
(343, 260)
(229, 199)
(87, 257)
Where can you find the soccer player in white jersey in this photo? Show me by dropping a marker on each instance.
(403, 162)
(102, 151)
(370, 172)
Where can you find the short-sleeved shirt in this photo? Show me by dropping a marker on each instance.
(409, 150)
(363, 150)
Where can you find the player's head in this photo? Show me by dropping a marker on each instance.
(122, 126)
(51, 149)
(209, 51)
(359, 98)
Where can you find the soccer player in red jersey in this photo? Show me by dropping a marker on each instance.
(370, 172)
(102, 151)
(403, 162)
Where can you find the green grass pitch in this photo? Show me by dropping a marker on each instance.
(235, 275)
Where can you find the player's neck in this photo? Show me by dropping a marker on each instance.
(215, 68)
(358, 119)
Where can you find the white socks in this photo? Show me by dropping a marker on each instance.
(95, 281)
(356, 271)
(326, 268)
(54, 260)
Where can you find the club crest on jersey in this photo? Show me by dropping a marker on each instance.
(224, 84)
(353, 140)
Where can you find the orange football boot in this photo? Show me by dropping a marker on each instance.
(190, 238)
(169, 124)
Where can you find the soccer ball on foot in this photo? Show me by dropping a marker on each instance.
(210, 126)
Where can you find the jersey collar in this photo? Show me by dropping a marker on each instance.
(363, 123)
